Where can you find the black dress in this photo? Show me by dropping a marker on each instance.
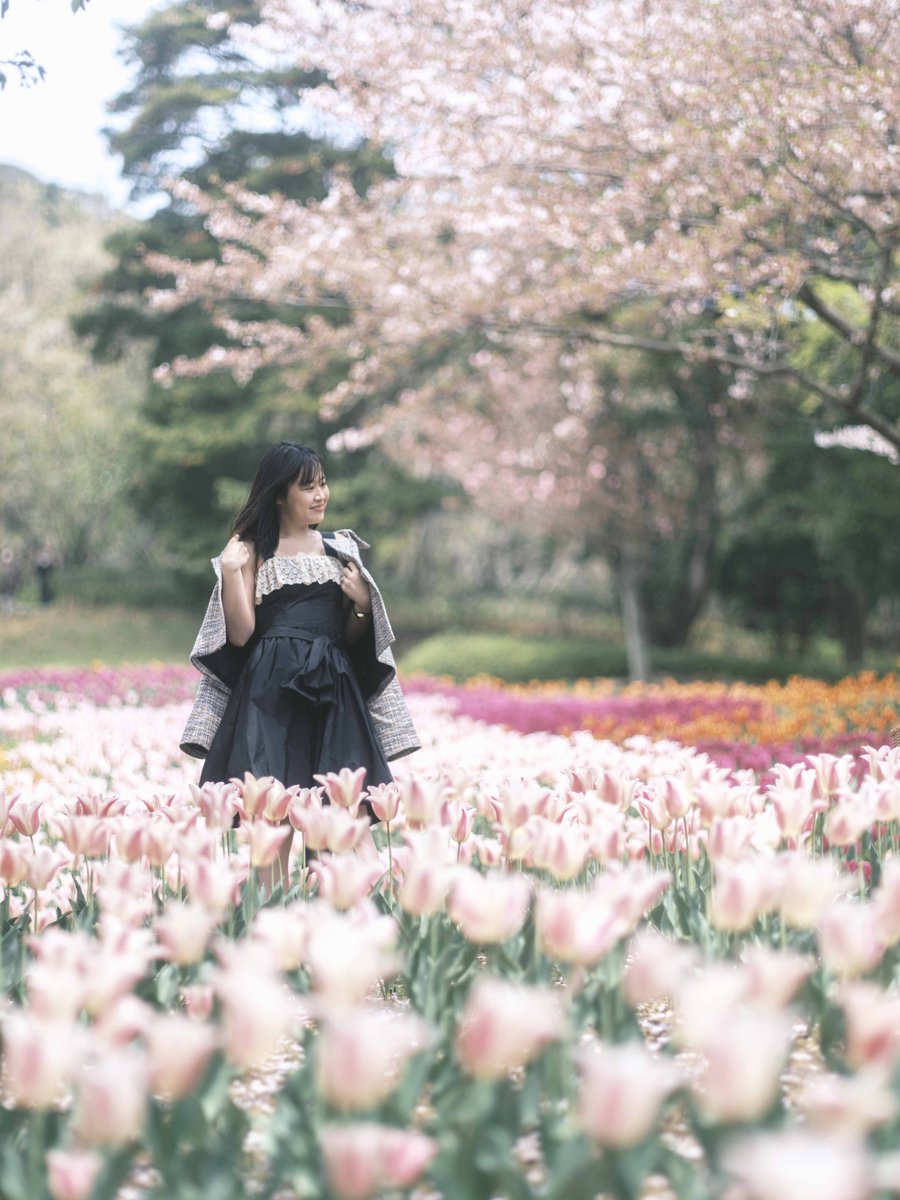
(297, 706)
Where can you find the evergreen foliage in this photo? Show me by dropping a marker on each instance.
(201, 107)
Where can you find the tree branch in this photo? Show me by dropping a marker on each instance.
(853, 334)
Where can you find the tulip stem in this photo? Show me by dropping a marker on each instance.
(36, 1154)
(687, 857)
(387, 826)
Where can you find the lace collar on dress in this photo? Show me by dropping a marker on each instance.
(279, 571)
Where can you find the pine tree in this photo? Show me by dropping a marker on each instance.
(203, 109)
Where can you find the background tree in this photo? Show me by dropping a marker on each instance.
(67, 424)
(557, 157)
(204, 108)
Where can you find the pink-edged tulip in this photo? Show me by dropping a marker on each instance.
(198, 1000)
(212, 883)
(421, 800)
(797, 1164)
(886, 903)
(55, 990)
(344, 880)
(573, 928)
(39, 1059)
(252, 795)
(13, 864)
(265, 842)
(423, 887)
(505, 1025)
(743, 891)
(652, 808)
(279, 800)
(41, 864)
(159, 842)
(843, 1105)
(99, 805)
(183, 932)
(179, 1050)
(630, 891)
(384, 799)
(850, 818)
(113, 971)
(621, 1091)
(458, 819)
(364, 1159)
(130, 839)
(656, 965)
(848, 938)
(744, 1055)
(717, 799)
(614, 788)
(794, 807)
(123, 1022)
(832, 774)
(25, 817)
(873, 1024)
(488, 908)
(676, 796)
(86, 837)
(361, 1056)
(71, 1173)
(730, 838)
(487, 850)
(773, 976)
(806, 887)
(347, 956)
(111, 1098)
(285, 932)
(608, 843)
(561, 850)
(216, 802)
(313, 822)
(257, 1012)
(8, 801)
(345, 787)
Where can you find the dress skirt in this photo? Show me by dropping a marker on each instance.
(297, 707)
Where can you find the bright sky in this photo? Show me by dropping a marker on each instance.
(53, 128)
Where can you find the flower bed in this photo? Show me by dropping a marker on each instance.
(738, 725)
(461, 998)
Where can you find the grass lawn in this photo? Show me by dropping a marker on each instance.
(68, 635)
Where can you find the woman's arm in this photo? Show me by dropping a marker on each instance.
(356, 591)
(239, 590)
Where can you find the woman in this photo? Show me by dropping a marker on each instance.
(295, 649)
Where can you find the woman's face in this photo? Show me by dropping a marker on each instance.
(304, 503)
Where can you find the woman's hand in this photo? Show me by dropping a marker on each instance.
(236, 555)
(355, 587)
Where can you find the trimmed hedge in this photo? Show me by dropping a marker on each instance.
(518, 660)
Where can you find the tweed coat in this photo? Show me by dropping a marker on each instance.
(387, 707)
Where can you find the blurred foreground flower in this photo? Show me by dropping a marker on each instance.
(622, 1089)
(361, 1160)
(504, 1025)
(800, 1165)
(71, 1173)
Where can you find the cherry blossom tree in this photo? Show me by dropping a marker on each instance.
(556, 157)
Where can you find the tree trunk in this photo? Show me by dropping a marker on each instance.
(636, 648)
(851, 612)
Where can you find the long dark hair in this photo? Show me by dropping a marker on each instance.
(279, 467)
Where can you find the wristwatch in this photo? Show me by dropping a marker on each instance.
(360, 616)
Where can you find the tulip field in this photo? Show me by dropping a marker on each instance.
(594, 942)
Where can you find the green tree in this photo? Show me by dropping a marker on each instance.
(67, 423)
(816, 548)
